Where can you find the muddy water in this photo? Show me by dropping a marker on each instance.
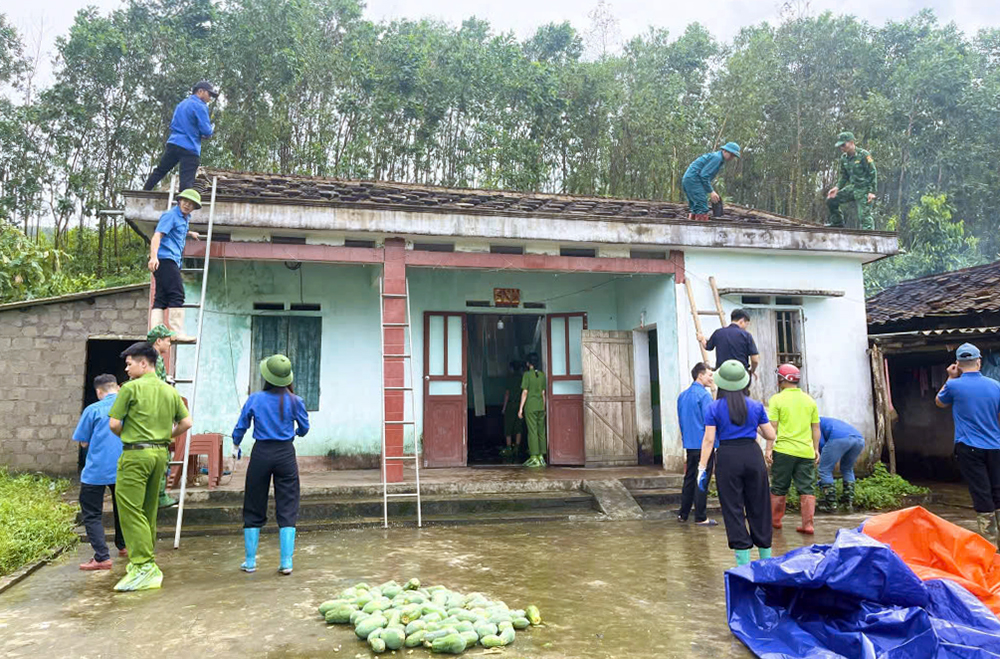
(606, 589)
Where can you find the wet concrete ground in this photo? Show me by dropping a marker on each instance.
(606, 589)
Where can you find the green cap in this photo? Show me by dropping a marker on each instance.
(277, 369)
(732, 376)
(159, 332)
(191, 195)
(844, 138)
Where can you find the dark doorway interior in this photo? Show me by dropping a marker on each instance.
(494, 341)
(656, 457)
(102, 357)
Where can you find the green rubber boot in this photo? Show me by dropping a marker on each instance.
(987, 523)
(742, 557)
(848, 498)
(828, 499)
(765, 552)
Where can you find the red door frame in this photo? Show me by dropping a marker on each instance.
(565, 411)
(450, 454)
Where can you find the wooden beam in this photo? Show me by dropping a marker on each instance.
(781, 292)
(278, 252)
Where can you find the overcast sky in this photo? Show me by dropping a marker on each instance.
(52, 18)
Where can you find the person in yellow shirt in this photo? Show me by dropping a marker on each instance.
(793, 456)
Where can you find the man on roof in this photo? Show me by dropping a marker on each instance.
(189, 126)
(697, 181)
(858, 182)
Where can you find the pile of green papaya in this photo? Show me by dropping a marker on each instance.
(391, 616)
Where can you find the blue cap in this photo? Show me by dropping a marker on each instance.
(732, 147)
(967, 352)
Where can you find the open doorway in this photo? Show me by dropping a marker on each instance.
(494, 341)
(102, 357)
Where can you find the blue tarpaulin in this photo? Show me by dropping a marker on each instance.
(856, 599)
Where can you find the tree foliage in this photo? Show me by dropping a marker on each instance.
(313, 87)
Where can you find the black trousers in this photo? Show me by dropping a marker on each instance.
(271, 459)
(173, 154)
(169, 286)
(690, 494)
(92, 511)
(981, 470)
(744, 493)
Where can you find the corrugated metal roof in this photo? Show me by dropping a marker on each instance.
(70, 297)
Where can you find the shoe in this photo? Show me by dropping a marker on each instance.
(167, 501)
(777, 510)
(123, 553)
(530, 462)
(828, 504)
(250, 539)
(807, 502)
(701, 217)
(177, 324)
(742, 557)
(94, 564)
(286, 538)
(541, 462)
(707, 522)
(764, 552)
(849, 496)
(681, 519)
(140, 577)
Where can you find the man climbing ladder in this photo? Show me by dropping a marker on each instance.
(165, 251)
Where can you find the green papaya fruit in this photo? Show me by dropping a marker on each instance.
(362, 586)
(464, 626)
(415, 626)
(533, 615)
(340, 614)
(450, 644)
(521, 623)
(487, 629)
(412, 584)
(377, 645)
(507, 636)
(471, 638)
(393, 637)
(414, 639)
(410, 613)
(369, 624)
(363, 598)
(491, 641)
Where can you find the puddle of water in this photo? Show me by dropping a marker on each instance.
(614, 589)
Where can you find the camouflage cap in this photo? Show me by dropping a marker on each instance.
(159, 332)
(844, 138)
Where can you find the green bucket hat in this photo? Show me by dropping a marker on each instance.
(732, 147)
(844, 138)
(277, 369)
(732, 376)
(191, 195)
(159, 332)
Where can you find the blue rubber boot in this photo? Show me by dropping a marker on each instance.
(765, 552)
(250, 539)
(742, 557)
(286, 536)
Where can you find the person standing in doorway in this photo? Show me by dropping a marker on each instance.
(159, 337)
(691, 407)
(146, 414)
(189, 126)
(734, 342)
(278, 417)
(974, 400)
(794, 455)
(165, 252)
(512, 425)
(839, 442)
(532, 410)
(94, 432)
(697, 181)
(734, 419)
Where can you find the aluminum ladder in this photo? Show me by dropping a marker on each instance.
(193, 381)
(407, 359)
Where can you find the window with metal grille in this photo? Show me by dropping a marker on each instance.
(789, 337)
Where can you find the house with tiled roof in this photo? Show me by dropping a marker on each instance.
(916, 327)
(337, 274)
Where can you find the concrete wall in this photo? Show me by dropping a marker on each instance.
(835, 331)
(43, 352)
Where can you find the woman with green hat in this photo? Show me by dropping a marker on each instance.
(278, 416)
(740, 473)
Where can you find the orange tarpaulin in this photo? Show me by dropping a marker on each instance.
(937, 549)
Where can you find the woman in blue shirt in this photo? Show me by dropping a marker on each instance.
(740, 472)
(278, 416)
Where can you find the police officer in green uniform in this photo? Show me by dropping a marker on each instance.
(513, 427)
(532, 410)
(858, 181)
(159, 337)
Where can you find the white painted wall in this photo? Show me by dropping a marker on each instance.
(835, 329)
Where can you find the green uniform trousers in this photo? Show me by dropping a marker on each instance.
(845, 195)
(785, 470)
(536, 433)
(137, 492)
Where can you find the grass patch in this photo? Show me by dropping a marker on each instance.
(33, 517)
(879, 491)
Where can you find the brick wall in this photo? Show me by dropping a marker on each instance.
(43, 353)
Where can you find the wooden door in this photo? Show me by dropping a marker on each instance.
(763, 329)
(609, 399)
(565, 371)
(445, 404)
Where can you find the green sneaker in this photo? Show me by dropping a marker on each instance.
(530, 462)
(140, 577)
(167, 501)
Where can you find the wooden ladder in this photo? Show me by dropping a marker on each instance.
(697, 313)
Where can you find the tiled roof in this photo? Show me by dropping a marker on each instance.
(966, 292)
(281, 188)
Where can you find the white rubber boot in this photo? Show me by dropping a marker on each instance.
(177, 325)
(155, 317)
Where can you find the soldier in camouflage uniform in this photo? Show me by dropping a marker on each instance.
(159, 337)
(858, 181)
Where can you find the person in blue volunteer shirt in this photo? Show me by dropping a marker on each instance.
(165, 252)
(975, 406)
(839, 442)
(103, 450)
(691, 406)
(735, 419)
(278, 416)
(189, 126)
(697, 181)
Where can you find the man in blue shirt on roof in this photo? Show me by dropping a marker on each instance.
(697, 181)
(104, 448)
(190, 125)
(975, 406)
(691, 406)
